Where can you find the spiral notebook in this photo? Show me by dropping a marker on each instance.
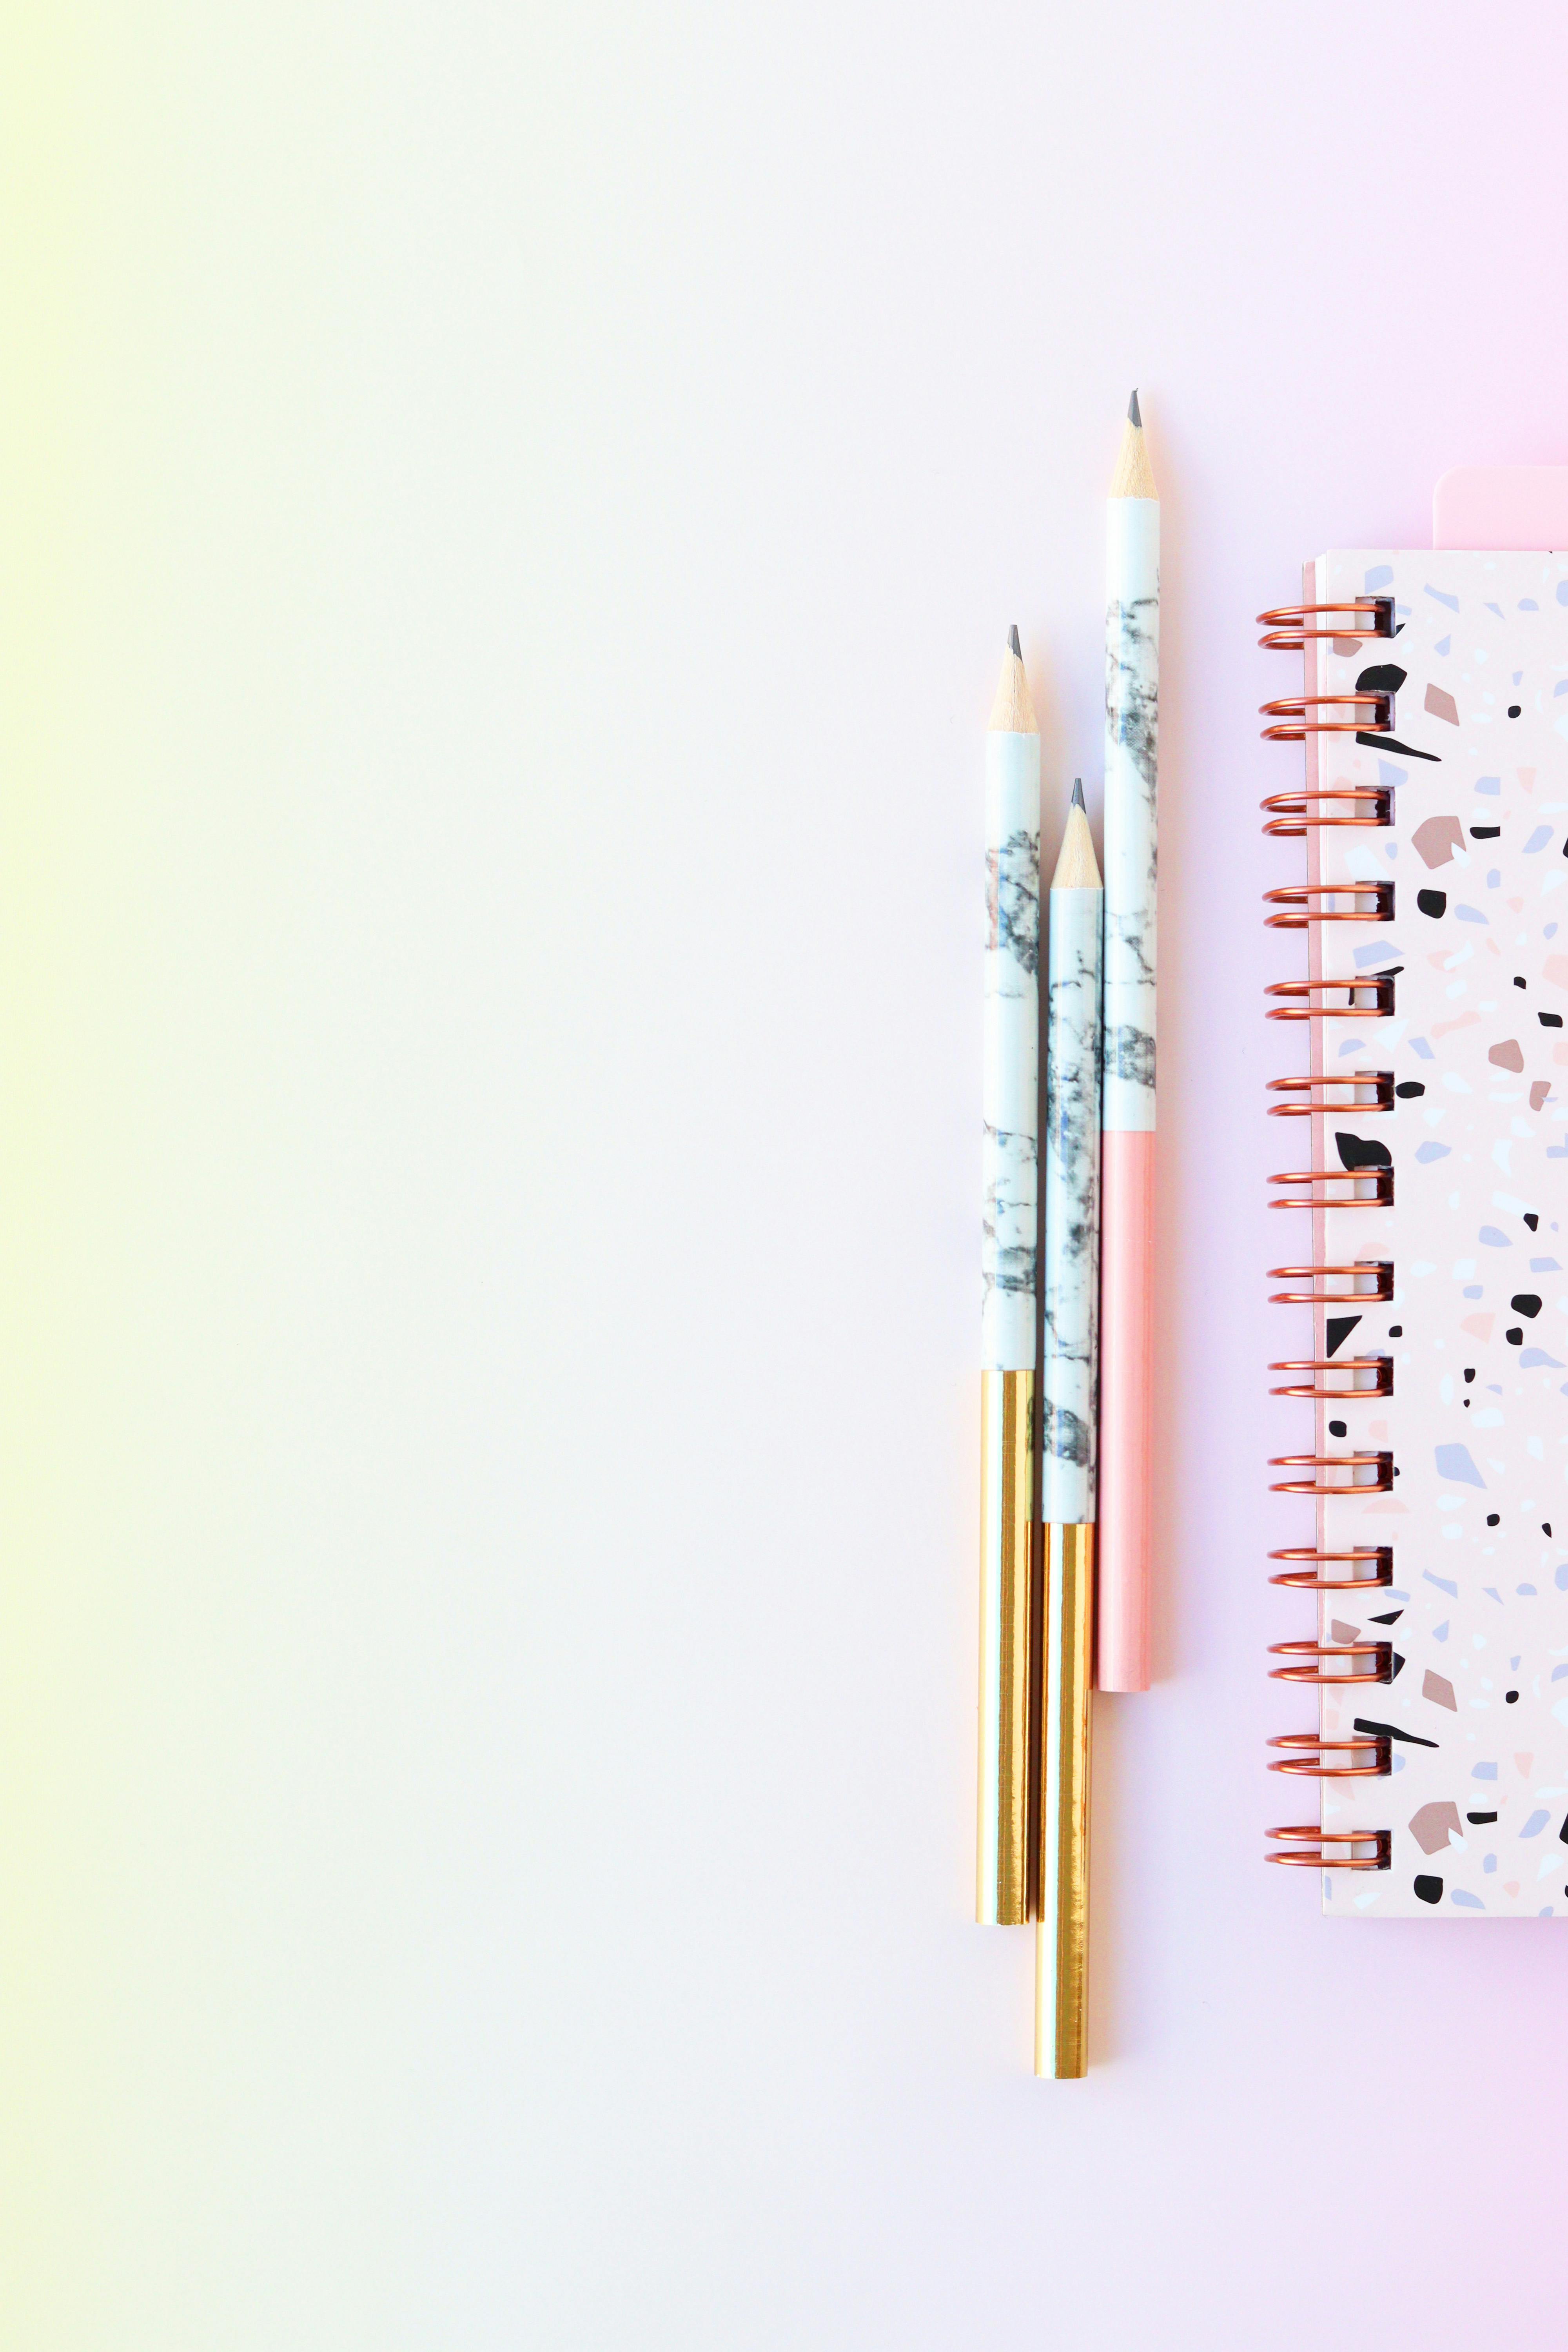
(1433, 1002)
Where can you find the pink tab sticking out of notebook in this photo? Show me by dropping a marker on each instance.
(1509, 507)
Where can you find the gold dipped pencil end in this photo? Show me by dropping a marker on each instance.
(1007, 1508)
(1061, 1939)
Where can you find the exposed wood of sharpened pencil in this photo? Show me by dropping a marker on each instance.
(1078, 868)
(1013, 710)
(1134, 476)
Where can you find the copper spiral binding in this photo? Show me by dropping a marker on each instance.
(1381, 1652)
(1317, 1856)
(1380, 1197)
(1383, 1554)
(1374, 904)
(1380, 1368)
(1381, 1080)
(1287, 630)
(1378, 1269)
(1297, 996)
(1289, 812)
(1381, 1464)
(1326, 1381)
(1292, 724)
(1310, 1744)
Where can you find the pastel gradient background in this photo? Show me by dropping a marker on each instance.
(510, 515)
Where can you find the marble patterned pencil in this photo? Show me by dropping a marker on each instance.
(1011, 1178)
(1068, 1446)
(1131, 721)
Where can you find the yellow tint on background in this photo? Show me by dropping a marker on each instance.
(236, 1845)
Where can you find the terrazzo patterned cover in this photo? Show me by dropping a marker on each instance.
(1477, 762)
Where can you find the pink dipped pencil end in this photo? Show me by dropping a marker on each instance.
(1126, 1417)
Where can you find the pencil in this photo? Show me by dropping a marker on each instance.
(1127, 1334)
(1068, 1446)
(1009, 1249)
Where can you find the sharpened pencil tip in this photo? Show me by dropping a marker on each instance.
(1132, 416)
(1077, 793)
(1013, 641)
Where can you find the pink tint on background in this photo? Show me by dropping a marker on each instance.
(907, 272)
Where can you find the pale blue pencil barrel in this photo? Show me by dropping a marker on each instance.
(1072, 1182)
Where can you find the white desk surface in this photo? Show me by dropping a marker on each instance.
(521, 513)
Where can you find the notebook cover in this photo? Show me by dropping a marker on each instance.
(1478, 1424)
